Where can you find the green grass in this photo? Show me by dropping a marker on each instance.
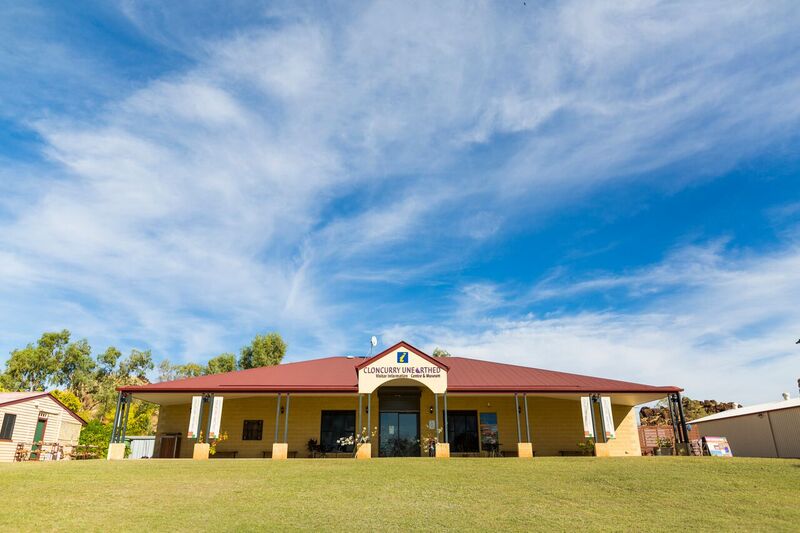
(641, 494)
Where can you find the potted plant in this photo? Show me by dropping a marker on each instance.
(663, 446)
(313, 448)
(429, 444)
(586, 447)
(362, 447)
(212, 443)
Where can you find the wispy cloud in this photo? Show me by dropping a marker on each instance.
(726, 329)
(301, 167)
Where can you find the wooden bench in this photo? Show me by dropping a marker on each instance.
(225, 455)
(335, 455)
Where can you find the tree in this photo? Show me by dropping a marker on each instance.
(136, 365)
(107, 361)
(265, 350)
(96, 433)
(75, 368)
(225, 362)
(189, 370)
(88, 384)
(141, 419)
(33, 367)
(166, 371)
(72, 402)
(113, 372)
(440, 352)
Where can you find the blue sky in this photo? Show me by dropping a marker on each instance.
(603, 188)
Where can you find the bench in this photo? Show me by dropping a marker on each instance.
(570, 453)
(335, 455)
(225, 455)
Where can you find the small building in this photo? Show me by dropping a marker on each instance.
(39, 424)
(403, 401)
(763, 430)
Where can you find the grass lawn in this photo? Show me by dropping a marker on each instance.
(571, 493)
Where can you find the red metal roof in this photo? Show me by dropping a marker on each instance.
(317, 375)
(339, 374)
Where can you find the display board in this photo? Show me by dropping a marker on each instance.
(586, 408)
(608, 418)
(216, 417)
(489, 435)
(717, 446)
(194, 417)
(403, 364)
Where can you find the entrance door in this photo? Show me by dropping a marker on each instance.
(399, 434)
(462, 431)
(38, 437)
(170, 447)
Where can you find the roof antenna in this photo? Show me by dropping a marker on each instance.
(373, 342)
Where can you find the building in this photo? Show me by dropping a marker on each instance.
(37, 421)
(403, 398)
(764, 430)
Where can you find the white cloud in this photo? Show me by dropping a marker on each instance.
(253, 187)
(725, 330)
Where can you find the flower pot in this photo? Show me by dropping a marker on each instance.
(364, 451)
(663, 451)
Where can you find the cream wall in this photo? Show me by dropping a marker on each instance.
(61, 426)
(556, 424)
(305, 418)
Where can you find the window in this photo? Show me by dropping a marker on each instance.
(335, 425)
(252, 429)
(7, 429)
(489, 437)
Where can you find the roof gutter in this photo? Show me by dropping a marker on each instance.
(491, 390)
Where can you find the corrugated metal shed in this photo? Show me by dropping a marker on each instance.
(142, 447)
(764, 430)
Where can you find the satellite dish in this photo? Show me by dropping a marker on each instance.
(373, 341)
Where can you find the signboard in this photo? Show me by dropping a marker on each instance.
(608, 417)
(402, 364)
(718, 446)
(586, 408)
(194, 417)
(489, 435)
(216, 416)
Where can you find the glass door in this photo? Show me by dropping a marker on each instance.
(462, 431)
(399, 434)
